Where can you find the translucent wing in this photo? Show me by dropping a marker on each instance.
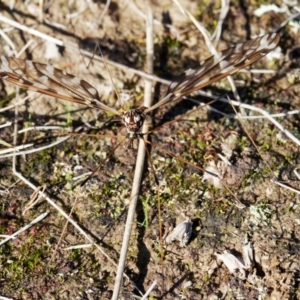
(48, 80)
(218, 66)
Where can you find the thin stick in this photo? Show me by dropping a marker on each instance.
(58, 141)
(11, 149)
(261, 111)
(248, 106)
(82, 51)
(140, 161)
(224, 11)
(20, 102)
(209, 45)
(4, 298)
(30, 30)
(104, 11)
(257, 149)
(152, 286)
(286, 186)
(87, 53)
(8, 41)
(36, 220)
(139, 13)
(50, 201)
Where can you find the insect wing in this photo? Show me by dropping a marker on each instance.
(218, 66)
(48, 80)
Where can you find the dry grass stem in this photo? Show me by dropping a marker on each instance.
(140, 161)
(26, 227)
(205, 164)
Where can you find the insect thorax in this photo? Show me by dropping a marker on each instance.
(133, 120)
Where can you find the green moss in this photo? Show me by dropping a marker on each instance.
(76, 254)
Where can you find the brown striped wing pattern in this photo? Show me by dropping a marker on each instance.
(48, 80)
(219, 66)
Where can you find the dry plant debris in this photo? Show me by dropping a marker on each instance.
(53, 259)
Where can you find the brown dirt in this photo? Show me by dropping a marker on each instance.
(36, 266)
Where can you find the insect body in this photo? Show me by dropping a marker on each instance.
(48, 80)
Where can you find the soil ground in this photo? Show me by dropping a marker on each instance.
(36, 264)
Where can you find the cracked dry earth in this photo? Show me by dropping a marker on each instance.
(252, 209)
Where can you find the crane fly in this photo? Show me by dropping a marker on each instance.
(48, 80)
